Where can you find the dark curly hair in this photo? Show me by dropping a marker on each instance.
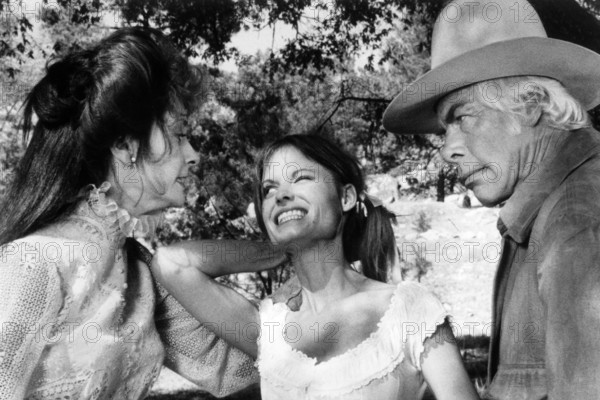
(88, 101)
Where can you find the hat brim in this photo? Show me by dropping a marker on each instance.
(577, 68)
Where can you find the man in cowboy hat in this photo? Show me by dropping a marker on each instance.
(512, 104)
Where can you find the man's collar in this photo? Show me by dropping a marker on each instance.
(521, 209)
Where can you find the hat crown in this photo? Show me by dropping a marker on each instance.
(481, 40)
(465, 25)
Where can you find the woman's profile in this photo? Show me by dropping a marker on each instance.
(354, 336)
(80, 315)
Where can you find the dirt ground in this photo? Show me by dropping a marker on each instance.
(462, 246)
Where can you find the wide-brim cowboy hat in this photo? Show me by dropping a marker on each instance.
(484, 40)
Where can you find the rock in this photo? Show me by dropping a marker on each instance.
(467, 234)
(412, 236)
(480, 235)
(453, 198)
(431, 235)
(383, 186)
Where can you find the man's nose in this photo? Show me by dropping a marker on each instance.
(192, 157)
(454, 145)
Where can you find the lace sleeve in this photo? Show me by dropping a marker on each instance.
(191, 349)
(30, 302)
(199, 355)
(425, 313)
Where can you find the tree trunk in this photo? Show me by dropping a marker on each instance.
(441, 185)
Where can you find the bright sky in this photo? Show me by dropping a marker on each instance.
(247, 42)
(252, 41)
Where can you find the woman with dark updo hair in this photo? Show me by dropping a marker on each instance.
(80, 315)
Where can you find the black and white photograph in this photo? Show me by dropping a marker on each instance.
(300, 199)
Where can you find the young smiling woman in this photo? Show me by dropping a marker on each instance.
(354, 336)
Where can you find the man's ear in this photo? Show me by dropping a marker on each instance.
(349, 197)
(125, 149)
(533, 114)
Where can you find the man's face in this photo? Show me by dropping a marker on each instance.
(485, 145)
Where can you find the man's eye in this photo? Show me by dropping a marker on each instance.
(462, 119)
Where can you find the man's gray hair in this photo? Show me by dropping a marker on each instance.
(523, 94)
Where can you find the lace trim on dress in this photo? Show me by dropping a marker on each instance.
(420, 345)
(427, 309)
(374, 358)
(106, 208)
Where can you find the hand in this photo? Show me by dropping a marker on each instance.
(169, 261)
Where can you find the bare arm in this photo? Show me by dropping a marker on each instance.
(443, 368)
(223, 257)
(220, 308)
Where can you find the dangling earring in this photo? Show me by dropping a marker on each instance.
(135, 177)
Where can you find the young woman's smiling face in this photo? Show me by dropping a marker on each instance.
(301, 202)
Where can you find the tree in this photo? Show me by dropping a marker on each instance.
(15, 40)
(314, 83)
(190, 23)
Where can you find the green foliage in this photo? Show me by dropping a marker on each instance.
(343, 28)
(328, 31)
(11, 149)
(12, 93)
(422, 223)
(335, 77)
(190, 23)
(15, 41)
(422, 266)
(416, 268)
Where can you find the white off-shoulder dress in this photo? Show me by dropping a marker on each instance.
(384, 366)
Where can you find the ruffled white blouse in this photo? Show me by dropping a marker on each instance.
(386, 365)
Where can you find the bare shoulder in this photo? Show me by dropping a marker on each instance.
(375, 288)
(375, 296)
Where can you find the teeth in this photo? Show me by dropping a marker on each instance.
(290, 215)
